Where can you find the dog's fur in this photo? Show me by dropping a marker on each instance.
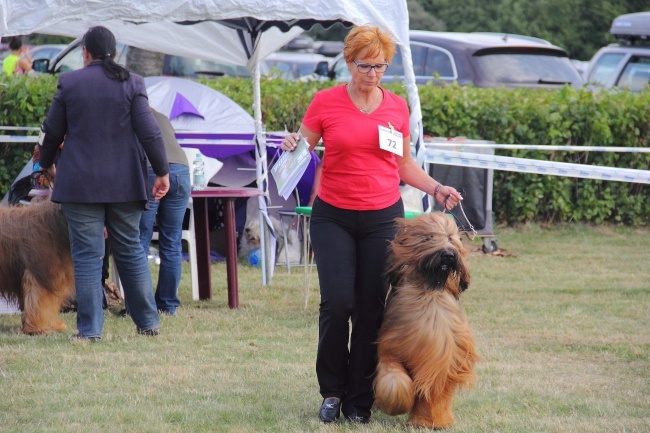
(36, 268)
(250, 240)
(425, 347)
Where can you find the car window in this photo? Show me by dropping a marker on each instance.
(396, 68)
(427, 62)
(604, 67)
(280, 70)
(341, 70)
(290, 69)
(517, 68)
(72, 61)
(44, 53)
(636, 74)
(439, 62)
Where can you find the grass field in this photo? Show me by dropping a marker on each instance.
(562, 322)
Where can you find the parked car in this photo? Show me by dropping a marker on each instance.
(626, 64)
(328, 48)
(479, 59)
(46, 51)
(287, 65)
(70, 59)
(290, 65)
(4, 50)
(177, 66)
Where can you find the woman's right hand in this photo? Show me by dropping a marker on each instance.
(290, 141)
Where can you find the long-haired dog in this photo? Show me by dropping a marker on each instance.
(36, 269)
(250, 240)
(425, 347)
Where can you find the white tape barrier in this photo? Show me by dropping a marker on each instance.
(20, 128)
(488, 145)
(18, 139)
(522, 165)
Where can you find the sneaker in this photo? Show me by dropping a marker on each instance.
(80, 337)
(149, 332)
(330, 409)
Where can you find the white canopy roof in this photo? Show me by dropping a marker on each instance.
(241, 32)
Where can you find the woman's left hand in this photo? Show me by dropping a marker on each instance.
(448, 197)
(51, 173)
(160, 186)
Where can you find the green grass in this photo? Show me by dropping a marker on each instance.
(563, 326)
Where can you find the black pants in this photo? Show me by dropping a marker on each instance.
(351, 251)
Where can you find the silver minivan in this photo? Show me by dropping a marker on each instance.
(478, 59)
(626, 64)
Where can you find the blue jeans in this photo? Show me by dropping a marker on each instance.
(170, 211)
(86, 223)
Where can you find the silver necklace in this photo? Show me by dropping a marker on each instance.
(363, 110)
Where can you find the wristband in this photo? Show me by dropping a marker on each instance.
(437, 190)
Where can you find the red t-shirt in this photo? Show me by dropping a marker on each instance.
(356, 173)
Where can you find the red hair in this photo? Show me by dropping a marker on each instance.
(368, 38)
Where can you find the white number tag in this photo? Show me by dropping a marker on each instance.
(391, 140)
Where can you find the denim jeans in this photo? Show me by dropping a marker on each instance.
(86, 231)
(170, 211)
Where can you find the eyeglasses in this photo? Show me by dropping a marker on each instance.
(365, 68)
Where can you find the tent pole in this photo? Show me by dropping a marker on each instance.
(261, 172)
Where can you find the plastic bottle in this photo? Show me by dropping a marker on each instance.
(198, 172)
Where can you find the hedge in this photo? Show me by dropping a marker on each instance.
(576, 117)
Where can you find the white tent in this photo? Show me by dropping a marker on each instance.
(236, 31)
(192, 106)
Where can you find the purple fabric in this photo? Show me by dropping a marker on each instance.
(183, 106)
(219, 151)
(213, 136)
(225, 145)
(220, 146)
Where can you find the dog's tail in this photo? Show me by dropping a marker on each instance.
(394, 394)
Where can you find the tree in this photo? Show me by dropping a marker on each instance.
(419, 19)
(579, 26)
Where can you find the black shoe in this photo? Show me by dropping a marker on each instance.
(80, 337)
(149, 332)
(357, 419)
(330, 410)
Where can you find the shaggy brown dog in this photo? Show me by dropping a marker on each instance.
(426, 350)
(35, 264)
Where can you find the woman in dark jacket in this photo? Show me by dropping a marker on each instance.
(103, 113)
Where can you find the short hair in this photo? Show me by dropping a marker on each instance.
(15, 43)
(371, 38)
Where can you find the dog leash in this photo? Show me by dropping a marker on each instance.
(471, 237)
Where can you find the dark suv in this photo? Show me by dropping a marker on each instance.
(479, 59)
(626, 64)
